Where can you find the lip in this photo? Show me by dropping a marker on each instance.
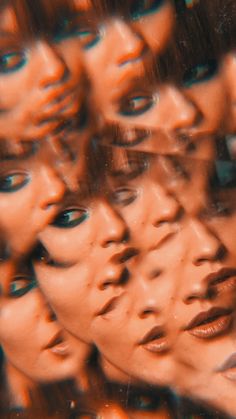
(155, 340)
(228, 369)
(225, 276)
(125, 255)
(211, 323)
(58, 346)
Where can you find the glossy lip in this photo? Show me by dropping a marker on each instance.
(225, 275)
(228, 368)
(107, 307)
(211, 323)
(122, 257)
(155, 340)
(58, 346)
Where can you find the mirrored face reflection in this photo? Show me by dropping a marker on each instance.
(30, 190)
(205, 307)
(116, 73)
(33, 342)
(139, 190)
(136, 335)
(203, 85)
(82, 268)
(229, 66)
(40, 80)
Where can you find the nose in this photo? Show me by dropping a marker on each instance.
(53, 188)
(146, 299)
(131, 45)
(182, 113)
(206, 247)
(53, 69)
(112, 228)
(166, 208)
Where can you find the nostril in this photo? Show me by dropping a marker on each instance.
(52, 316)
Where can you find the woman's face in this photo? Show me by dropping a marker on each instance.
(119, 90)
(205, 310)
(136, 335)
(40, 80)
(203, 85)
(32, 341)
(30, 190)
(229, 67)
(87, 244)
(138, 192)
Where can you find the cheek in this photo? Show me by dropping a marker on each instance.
(71, 52)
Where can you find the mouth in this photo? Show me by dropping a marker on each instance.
(124, 256)
(228, 369)
(155, 341)
(58, 346)
(223, 279)
(211, 323)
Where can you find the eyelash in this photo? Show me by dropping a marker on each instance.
(23, 180)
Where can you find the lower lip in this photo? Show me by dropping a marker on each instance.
(157, 346)
(212, 329)
(61, 349)
(230, 374)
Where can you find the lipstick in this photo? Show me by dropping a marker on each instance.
(155, 340)
(58, 346)
(211, 323)
(228, 369)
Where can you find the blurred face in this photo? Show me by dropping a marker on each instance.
(203, 85)
(31, 339)
(205, 309)
(40, 80)
(229, 66)
(119, 90)
(82, 270)
(151, 193)
(136, 335)
(30, 189)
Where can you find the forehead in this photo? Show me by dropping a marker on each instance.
(32, 19)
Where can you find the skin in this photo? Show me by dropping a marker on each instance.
(202, 378)
(27, 327)
(120, 84)
(40, 80)
(153, 192)
(229, 65)
(203, 85)
(31, 188)
(84, 262)
(30, 191)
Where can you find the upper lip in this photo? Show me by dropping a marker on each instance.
(55, 340)
(156, 332)
(228, 364)
(207, 316)
(124, 255)
(223, 274)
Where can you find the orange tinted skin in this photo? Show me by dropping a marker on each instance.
(40, 81)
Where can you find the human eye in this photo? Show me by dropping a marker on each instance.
(87, 34)
(124, 196)
(13, 182)
(223, 177)
(200, 73)
(20, 286)
(70, 218)
(12, 61)
(142, 8)
(136, 105)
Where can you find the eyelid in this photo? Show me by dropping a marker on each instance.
(18, 186)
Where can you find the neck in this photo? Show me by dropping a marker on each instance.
(19, 386)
